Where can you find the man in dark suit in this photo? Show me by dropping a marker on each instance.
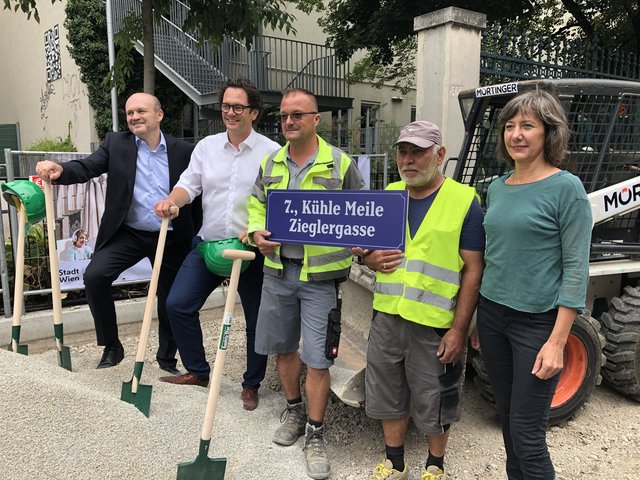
(142, 166)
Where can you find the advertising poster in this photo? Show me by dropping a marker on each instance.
(79, 209)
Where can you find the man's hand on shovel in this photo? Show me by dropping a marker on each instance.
(170, 206)
(166, 208)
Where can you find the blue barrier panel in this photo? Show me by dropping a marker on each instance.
(344, 218)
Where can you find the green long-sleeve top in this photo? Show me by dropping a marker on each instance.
(538, 238)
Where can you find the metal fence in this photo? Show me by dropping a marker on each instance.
(37, 278)
(380, 167)
(509, 54)
(271, 63)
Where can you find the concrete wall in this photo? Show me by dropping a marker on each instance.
(43, 109)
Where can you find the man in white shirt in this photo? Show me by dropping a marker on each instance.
(223, 169)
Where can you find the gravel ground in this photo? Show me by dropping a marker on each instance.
(65, 425)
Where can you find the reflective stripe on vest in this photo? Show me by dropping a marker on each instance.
(336, 156)
(415, 294)
(320, 260)
(330, 257)
(424, 287)
(317, 258)
(426, 268)
(439, 273)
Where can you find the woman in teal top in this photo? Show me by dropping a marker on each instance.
(538, 228)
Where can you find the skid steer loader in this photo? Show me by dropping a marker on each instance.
(604, 152)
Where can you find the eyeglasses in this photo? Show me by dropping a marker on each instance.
(225, 107)
(296, 117)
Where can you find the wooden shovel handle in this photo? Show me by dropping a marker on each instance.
(153, 287)
(239, 254)
(18, 290)
(53, 254)
(218, 367)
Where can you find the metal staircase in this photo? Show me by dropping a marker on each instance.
(273, 64)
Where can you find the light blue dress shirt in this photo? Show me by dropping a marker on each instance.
(151, 185)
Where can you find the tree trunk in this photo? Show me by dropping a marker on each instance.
(147, 40)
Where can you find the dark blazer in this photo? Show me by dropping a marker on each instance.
(117, 157)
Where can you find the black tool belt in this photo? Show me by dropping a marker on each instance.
(293, 261)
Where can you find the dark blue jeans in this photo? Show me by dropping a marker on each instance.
(191, 288)
(510, 341)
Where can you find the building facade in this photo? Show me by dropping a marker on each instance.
(42, 96)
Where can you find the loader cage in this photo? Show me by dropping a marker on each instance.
(604, 147)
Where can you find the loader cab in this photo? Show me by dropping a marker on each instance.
(604, 147)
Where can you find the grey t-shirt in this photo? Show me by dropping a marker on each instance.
(296, 175)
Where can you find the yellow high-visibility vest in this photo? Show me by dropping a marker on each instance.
(326, 173)
(424, 287)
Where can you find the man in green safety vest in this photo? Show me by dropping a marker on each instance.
(423, 301)
(299, 290)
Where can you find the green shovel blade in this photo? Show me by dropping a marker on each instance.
(64, 354)
(64, 358)
(203, 467)
(141, 399)
(22, 349)
(15, 336)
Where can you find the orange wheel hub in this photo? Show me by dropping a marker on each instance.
(573, 373)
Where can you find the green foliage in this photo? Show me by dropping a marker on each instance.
(86, 27)
(54, 145)
(308, 6)
(383, 28)
(400, 73)
(207, 20)
(123, 65)
(613, 24)
(26, 6)
(210, 19)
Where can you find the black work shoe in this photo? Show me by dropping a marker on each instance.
(112, 356)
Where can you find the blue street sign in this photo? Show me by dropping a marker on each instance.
(371, 219)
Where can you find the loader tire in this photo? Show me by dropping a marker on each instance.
(583, 359)
(621, 328)
(481, 380)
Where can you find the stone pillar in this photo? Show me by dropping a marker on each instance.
(447, 62)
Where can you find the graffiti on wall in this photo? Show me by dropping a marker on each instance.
(45, 96)
(52, 53)
(73, 92)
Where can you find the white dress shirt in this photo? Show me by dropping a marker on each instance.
(225, 177)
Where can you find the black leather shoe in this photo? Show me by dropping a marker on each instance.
(171, 369)
(112, 356)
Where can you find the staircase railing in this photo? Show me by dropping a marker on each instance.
(272, 63)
